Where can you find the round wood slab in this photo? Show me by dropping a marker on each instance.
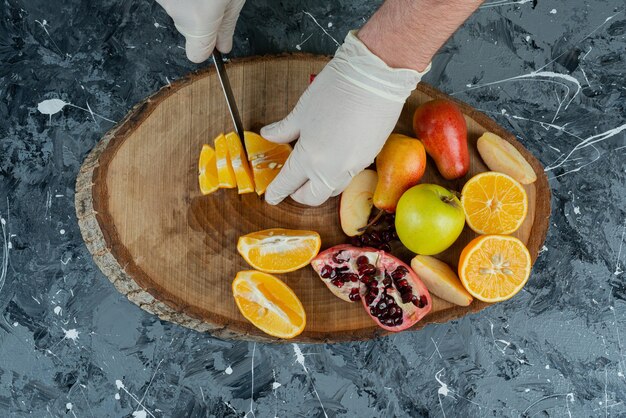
(173, 251)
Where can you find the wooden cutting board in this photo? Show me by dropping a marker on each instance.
(172, 251)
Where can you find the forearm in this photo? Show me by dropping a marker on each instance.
(408, 33)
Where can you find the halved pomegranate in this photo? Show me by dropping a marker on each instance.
(400, 299)
(338, 267)
(392, 294)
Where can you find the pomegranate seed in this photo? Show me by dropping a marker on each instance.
(367, 269)
(386, 236)
(351, 277)
(407, 297)
(362, 260)
(385, 247)
(387, 281)
(423, 301)
(354, 295)
(326, 271)
(336, 258)
(337, 282)
(398, 320)
(374, 284)
(393, 310)
(382, 305)
(366, 279)
(402, 284)
(375, 236)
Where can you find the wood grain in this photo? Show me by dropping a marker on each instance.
(172, 250)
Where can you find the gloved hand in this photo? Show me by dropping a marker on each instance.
(342, 121)
(206, 24)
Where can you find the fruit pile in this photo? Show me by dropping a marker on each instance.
(381, 211)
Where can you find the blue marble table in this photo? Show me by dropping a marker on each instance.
(71, 346)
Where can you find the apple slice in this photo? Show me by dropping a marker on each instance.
(355, 205)
(441, 280)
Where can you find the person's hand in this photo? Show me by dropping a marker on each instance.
(205, 24)
(342, 121)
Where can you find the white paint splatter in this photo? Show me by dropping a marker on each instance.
(553, 11)
(503, 3)
(69, 406)
(62, 232)
(321, 27)
(52, 106)
(300, 360)
(117, 396)
(140, 414)
(547, 367)
(6, 244)
(228, 370)
(15, 324)
(276, 385)
(119, 384)
(251, 411)
(576, 210)
(445, 391)
(618, 267)
(299, 46)
(71, 334)
(57, 310)
(527, 38)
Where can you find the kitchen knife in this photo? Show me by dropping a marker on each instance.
(230, 98)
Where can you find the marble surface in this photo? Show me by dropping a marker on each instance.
(70, 346)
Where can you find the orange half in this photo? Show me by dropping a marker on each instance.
(269, 304)
(279, 250)
(207, 171)
(494, 203)
(225, 172)
(266, 159)
(494, 268)
(239, 161)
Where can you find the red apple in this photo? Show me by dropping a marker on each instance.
(441, 127)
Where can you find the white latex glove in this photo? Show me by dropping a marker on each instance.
(342, 121)
(205, 24)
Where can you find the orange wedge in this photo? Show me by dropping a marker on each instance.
(225, 172)
(494, 203)
(269, 304)
(494, 268)
(279, 250)
(239, 161)
(207, 170)
(266, 159)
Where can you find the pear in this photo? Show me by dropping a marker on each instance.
(400, 165)
(441, 280)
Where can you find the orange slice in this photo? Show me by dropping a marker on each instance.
(494, 203)
(225, 172)
(266, 159)
(279, 250)
(269, 304)
(238, 159)
(494, 268)
(207, 170)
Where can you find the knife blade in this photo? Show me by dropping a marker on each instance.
(230, 97)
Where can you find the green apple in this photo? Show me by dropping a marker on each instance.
(429, 218)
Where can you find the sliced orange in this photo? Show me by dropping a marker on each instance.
(225, 172)
(239, 161)
(207, 170)
(494, 203)
(494, 268)
(279, 250)
(266, 159)
(269, 304)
